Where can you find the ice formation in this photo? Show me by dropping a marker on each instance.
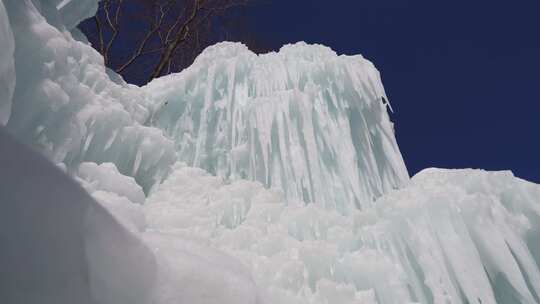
(449, 236)
(66, 105)
(243, 179)
(302, 120)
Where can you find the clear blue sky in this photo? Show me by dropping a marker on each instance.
(463, 76)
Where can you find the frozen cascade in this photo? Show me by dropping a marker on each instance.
(251, 179)
(302, 120)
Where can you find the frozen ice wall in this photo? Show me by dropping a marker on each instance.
(302, 120)
(65, 104)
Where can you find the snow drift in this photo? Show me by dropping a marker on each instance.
(244, 179)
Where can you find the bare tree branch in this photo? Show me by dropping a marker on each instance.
(140, 49)
(114, 24)
(167, 34)
(171, 48)
(99, 29)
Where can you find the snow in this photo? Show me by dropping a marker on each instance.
(118, 193)
(246, 178)
(191, 271)
(106, 177)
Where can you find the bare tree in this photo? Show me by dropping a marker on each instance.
(158, 36)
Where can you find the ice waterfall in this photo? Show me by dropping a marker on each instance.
(253, 179)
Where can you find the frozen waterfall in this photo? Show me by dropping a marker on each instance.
(302, 120)
(246, 178)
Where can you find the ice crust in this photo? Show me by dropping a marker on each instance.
(243, 179)
(303, 120)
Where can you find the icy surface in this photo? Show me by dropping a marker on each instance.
(66, 106)
(285, 192)
(302, 120)
(450, 236)
(118, 193)
(471, 234)
(74, 11)
(193, 271)
(105, 177)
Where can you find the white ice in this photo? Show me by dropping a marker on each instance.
(449, 236)
(67, 107)
(303, 120)
(243, 179)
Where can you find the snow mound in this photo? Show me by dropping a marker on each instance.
(303, 120)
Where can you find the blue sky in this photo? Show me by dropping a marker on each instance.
(462, 76)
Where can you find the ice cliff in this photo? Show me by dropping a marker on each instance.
(243, 179)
